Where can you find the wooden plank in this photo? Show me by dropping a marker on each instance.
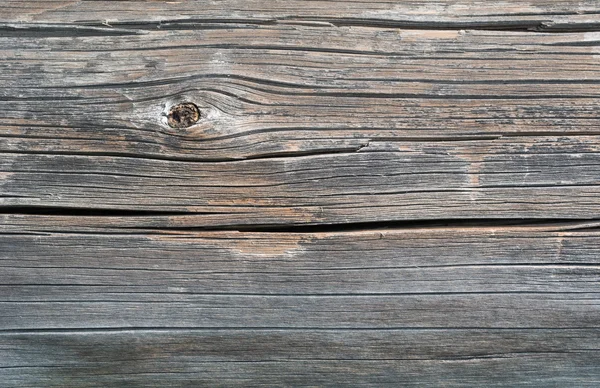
(242, 358)
(412, 261)
(514, 305)
(535, 15)
(375, 193)
(505, 178)
(418, 125)
(373, 308)
(292, 90)
(512, 277)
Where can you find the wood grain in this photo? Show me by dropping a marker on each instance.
(375, 193)
(552, 15)
(372, 307)
(386, 261)
(416, 124)
(262, 358)
(547, 177)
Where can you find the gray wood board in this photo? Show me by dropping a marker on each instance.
(541, 178)
(340, 124)
(329, 358)
(501, 306)
(376, 193)
(535, 15)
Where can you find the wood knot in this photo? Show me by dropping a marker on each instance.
(183, 115)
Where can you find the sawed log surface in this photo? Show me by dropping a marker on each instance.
(376, 193)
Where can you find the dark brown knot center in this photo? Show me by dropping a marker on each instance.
(183, 115)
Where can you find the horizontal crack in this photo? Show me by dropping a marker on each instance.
(23, 30)
(559, 224)
(543, 24)
(552, 224)
(88, 212)
(119, 28)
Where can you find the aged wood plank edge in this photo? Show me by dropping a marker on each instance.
(513, 276)
(362, 263)
(512, 14)
(545, 342)
(545, 179)
(299, 357)
(52, 220)
(47, 220)
(398, 93)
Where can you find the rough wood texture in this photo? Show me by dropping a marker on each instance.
(242, 358)
(374, 194)
(372, 307)
(336, 122)
(550, 15)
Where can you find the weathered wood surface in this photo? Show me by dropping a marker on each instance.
(348, 125)
(376, 193)
(515, 273)
(242, 358)
(499, 306)
(553, 15)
